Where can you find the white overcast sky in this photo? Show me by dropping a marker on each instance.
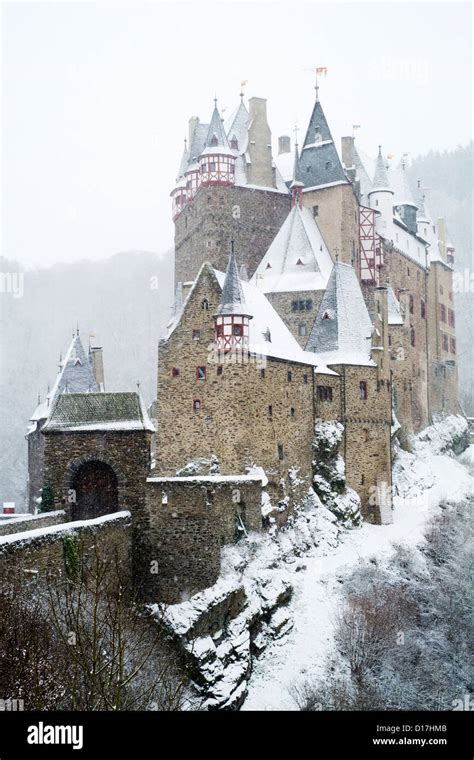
(96, 98)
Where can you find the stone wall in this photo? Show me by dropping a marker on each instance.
(253, 412)
(442, 359)
(127, 453)
(31, 522)
(190, 519)
(299, 323)
(41, 552)
(338, 219)
(217, 215)
(409, 362)
(35, 443)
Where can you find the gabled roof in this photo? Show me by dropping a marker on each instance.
(319, 161)
(342, 330)
(393, 307)
(298, 258)
(86, 412)
(232, 298)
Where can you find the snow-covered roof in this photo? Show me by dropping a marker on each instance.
(284, 163)
(380, 180)
(216, 131)
(342, 330)
(362, 173)
(298, 259)
(237, 125)
(75, 376)
(398, 179)
(319, 161)
(232, 298)
(84, 412)
(394, 309)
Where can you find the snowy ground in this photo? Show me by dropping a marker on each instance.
(424, 480)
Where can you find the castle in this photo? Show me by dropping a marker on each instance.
(310, 288)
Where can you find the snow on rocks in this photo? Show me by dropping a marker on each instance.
(424, 481)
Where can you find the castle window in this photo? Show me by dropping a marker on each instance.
(328, 165)
(450, 296)
(196, 334)
(292, 411)
(205, 304)
(408, 268)
(219, 330)
(308, 304)
(234, 143)
(451, 318)
(294, 306)
(363, 390)
(308, 169)
(315, 210)
(444, 342)
(411, 303)
(305, 379)
(376, 201)
(389, 340)
(212, 166)
(441, 289)
(196, 405)
(262, 373)
(412, 337)
(362, 479)
(423, 309)
(269, 266)
(214, 140)
(442, 312)
(270, 410)
(289, 376)
(237, 330)
(302, 328)
(219, 369)
(324, 393)
(299, 263)
(280, 451)
(200, 373)
(453, 345)
(209, 199)
(175, 372)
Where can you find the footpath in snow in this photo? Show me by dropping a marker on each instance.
(423, 481)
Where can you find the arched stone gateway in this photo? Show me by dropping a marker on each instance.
(96, 490)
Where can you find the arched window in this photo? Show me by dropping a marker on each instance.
(205, 304)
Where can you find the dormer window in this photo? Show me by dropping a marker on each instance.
(214, 141)
(267, 335)
(299, 263)
(328, 165)
(269, 266)
(234, 143)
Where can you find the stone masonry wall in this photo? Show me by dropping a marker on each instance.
(217, 215)
(337, 218)
(127, 453)
(190, 520)
(38, 553)
(297, 321)
(235, 421)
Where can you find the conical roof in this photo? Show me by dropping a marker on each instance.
(232, 298)
(380, 181)
(216, 136)
(319, 161)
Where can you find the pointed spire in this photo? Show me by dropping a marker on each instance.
(380, 181)
(297, 181)
(184, 161)
(319, 159)
(232, 298)
(216, 135)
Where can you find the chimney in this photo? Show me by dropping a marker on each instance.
(284, 144)
(347, 151)
(192, 124)
(260, 169)
(97, 362)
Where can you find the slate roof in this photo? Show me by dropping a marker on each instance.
(75, 376)
(380, 181)
(297, 259)
(297, 180)
(237, 125)
(76, 412)
(216, 129)
(342, 330)
(319, 160)
(198, 142)
(184, 162)
(232, 298)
